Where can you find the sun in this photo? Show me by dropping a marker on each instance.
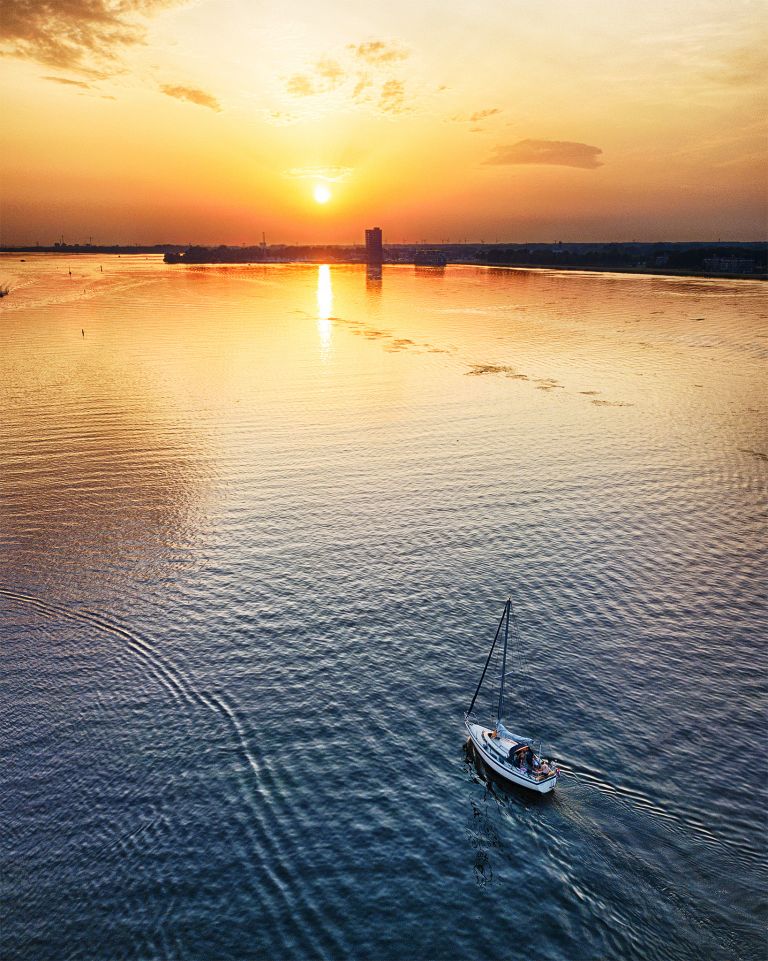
(322, 194)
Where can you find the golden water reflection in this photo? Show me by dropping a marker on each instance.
(324, 307)
(109, 442)
(373, 277)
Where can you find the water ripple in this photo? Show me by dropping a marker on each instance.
(252, 554)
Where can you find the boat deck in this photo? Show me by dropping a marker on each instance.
(498, 748)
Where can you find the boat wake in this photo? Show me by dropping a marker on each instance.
(679, 822)
(163, 671)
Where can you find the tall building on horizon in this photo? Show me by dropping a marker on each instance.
(374, 251)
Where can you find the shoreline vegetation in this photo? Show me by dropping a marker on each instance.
(734, 261)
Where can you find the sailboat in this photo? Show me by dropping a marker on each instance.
(509, 755)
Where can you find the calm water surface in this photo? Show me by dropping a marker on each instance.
(258, 525)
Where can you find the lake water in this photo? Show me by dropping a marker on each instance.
(258, 527)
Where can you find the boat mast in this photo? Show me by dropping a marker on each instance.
(505, 618)
(488, 661)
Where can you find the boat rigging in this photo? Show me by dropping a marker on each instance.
(512, 756)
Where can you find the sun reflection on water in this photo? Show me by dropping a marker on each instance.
(324, 307)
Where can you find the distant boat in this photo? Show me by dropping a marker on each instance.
(512, 756)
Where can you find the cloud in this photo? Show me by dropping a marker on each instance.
(483, 114)
(86, 36)
(561, 153)
(743, 67)
(327, 174)
(68, 82)
(363, 84)
(324, 76)
(476, 118)
(392, 97)
(282, 118)
(191, 94)
(300, 85)
(378, 52)
(369, 82)
(330, 73)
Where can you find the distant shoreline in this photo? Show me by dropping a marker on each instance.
(649, 271)
(489, 256)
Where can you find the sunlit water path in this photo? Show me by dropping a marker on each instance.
(258, 524)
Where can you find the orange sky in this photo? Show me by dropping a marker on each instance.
(214, 120)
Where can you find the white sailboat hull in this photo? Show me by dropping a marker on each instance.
(479, 736)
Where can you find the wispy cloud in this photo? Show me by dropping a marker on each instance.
(67, 82)
(743, 67)
(364, 77)
(282, 118)
(300, 85)
(483, 114)
(378, 52)
(326, 174)
(477, 116)
(561, 153)
(85, 36)
(363, 84)
(392, 97)
(321, 77)
(192, 95)
(330, 73)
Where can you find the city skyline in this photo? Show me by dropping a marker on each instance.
(212, 122)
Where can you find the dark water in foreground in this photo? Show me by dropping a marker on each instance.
(257, 529)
